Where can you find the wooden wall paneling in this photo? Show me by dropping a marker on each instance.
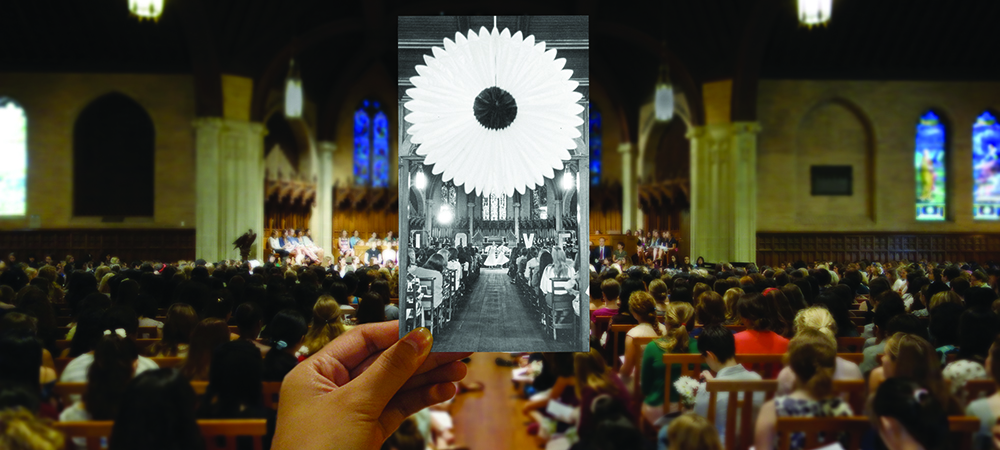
(127, 244)
(775, 248)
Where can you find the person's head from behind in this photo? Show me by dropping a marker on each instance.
(371, 309)
(812, 355)
(20, 359)
(610, 289)
(157, 412)
(249, 319)
(754, 312)
(22, 430)
(717, 345)
(907, 415)
(711, 309)
(676, 317)
(436, 263)
(234, 382)
(593, 373)
(286, 330)
(816, 318)
(207, 335)
(976, 331)
(327, 323)
(890, 305)
(911, 356)
(179, 323)
(658, 289)
(115, 361)
(122, 317)
(692, 432)
(643, 308)
(944, 323)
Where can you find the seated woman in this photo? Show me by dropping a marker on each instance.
(432, 268)
(560, 268)
(306, 237)
(306, 247)
(207, 335)
(595, 379)
(908, 417)
(673, 264)
(560, 389)
(976, 331)
(643, 308)
(115, 359)
(371, 309)
(911, 356)
(157, 411)
(658, 289)
(249, 321)
(675, 340)
(21, 367)
(710, 310)
(285, 333)
(814, 361)
(819, 319)
(987, 409)
(327, 325)
(235, 389)
(758, 337)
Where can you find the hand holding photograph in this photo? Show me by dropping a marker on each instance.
(493, 167)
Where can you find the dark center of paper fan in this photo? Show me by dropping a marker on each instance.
(495, 108)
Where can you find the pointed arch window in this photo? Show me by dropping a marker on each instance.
(929, 163)
(495, 207)
(371, 145)
(14, 154)
(595, 145)
(986, 168)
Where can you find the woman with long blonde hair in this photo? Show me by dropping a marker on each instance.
(653, 373)
(327, 325)
(643, 308)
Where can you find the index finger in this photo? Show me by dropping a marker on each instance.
(361, 342)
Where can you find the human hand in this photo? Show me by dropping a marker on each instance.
(365, 382)
(706, 376)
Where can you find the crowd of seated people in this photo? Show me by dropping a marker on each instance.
(230, 326)
(923, 335)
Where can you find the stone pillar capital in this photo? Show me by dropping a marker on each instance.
(471, 204)
(746, 127)
(626, 148)
(207, 122)
(327, 147)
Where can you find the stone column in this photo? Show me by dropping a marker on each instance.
(230, 186)
(430, 216)
(629, 204)
(323, 210)
(517, 217)
(472, 219)
(744, 152)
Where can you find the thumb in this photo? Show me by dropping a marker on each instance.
(394, 367)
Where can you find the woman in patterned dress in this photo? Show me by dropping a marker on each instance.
(814, 361)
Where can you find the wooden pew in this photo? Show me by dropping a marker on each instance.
(94, 431)
(850, 344)
(855, 427)
(174, 362)
(740, 391)
(616, 334)
(767, 365)
(690, 365)
(271, 390)
(140, 344)
(975, 389)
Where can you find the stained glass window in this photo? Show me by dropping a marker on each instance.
(929, 163)
(986, 168)
(371, 145)
(502, 207)
(494, 207)
(595, 145)
(486, 208)
(14, 154)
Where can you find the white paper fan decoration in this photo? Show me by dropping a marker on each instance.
(494, 112)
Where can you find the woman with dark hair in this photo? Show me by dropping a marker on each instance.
(21, 367)
(908, 417)
(177, 329)
(370, 309)
(544, 260)
(976, 331)
(758, 337)
(80, 285)
(838, 307)
(157, 413)
(988, 409)
(249, 321)
(89, 328)
(381, 287)
(235, 389)
(115, 361)
(777, 302)
(796, 301)
(207, 335)
(285, 333)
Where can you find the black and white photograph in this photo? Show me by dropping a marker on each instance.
(493, 170)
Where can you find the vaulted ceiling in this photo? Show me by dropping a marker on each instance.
(335, 42)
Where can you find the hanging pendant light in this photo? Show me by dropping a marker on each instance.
(664, 102)
(293, 93)
(815, 12)
(146, 9)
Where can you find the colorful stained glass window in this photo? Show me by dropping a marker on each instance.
(14, 154)
(929, 163)
(595, 145)
(986, 168)
(371, 145)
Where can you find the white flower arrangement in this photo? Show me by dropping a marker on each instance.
(686, 387)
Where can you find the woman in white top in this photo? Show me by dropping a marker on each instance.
(817, 318)
(560, 268)
(642, 306)
(115, 363)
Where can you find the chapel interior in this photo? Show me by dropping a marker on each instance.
(166, 139)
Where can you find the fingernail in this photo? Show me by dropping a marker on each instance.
(420, 339)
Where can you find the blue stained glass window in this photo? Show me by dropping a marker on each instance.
(929, 163)
(595, 145)
(986, 168)
(13, 153)
(371, 145)
(362, 147)
(380, 163)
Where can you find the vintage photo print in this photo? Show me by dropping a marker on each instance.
(494, 182)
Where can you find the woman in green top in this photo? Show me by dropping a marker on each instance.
(653, 370)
